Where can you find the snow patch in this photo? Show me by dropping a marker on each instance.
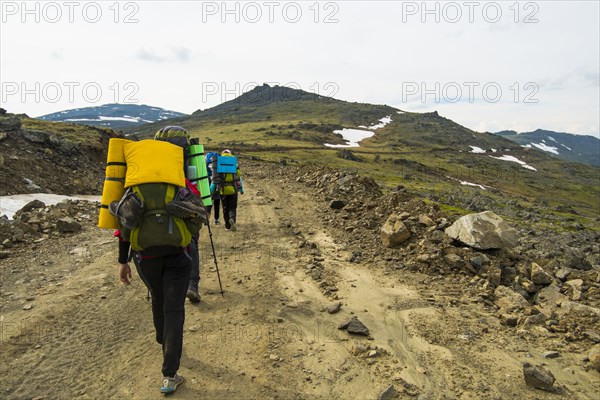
(382, 122)
(352, 136)
(125, 118)
(80, 120)
(472, 184)
(9, 205)
(551, 138)
(567, 147)
(515, 159)
(546, 148)
(477, 150)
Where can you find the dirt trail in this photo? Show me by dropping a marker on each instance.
(86, 336)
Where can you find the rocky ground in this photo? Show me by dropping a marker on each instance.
(422, 315)
(40, 161)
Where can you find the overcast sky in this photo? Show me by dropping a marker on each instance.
(486, 65)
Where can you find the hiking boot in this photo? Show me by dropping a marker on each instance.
(169, 385)
(233, 225)
(193, 295)
(217, 221)
(129, 210)
(187, 209)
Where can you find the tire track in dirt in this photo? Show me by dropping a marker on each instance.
(73, 341)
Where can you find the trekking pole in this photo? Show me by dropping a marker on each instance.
(214, 253)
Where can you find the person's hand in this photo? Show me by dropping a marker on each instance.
(241, 192)
(125, 273)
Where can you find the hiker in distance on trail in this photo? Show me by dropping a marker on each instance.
(216, 197)
(227, 183)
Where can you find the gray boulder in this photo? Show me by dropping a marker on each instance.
(10, 123)
(394, 232)
(33, 205)
(538, 377)
(508, 300)
(483, 231)
(68, 225)
(539, 276)
(355, 326)
(35, 136)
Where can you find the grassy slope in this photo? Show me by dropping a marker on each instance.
(74, 133)
(418, 151)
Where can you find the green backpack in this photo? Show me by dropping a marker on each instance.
(156, 227)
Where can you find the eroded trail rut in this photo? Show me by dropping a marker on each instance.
(269, 336)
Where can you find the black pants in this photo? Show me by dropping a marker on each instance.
(229, 208)
(217, 205)
(167, 278)
(195, 274)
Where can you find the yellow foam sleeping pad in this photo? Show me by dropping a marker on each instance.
(133, 163)
(113, 182)
(154, 161)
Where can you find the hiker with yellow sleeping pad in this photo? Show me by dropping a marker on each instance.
(146, 195)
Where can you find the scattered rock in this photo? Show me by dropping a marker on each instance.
(530, 287)
(68, 225)
(550, 297)
(479, 260)
(576, 288)
(337, 204)
(389, 393)
(578, 310)
(32, 205)
(563, 273)
(425, 220)
(507, 299)
(494, 275)
(551, 354)
(10, 123)
(453, 259)
(539, 276)
(355, 326)
(593, 336)
(394, 232)
(334, 308)
(537, 319)
(595, 357)
(577, 260)
(538, 377)
(509, 320)
(27, 306)
(483, 231)
(34, 136)
(358, 349)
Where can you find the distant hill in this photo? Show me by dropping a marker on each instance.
(566, 146)
(115, 116)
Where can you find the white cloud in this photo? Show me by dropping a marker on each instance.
(368, 54)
